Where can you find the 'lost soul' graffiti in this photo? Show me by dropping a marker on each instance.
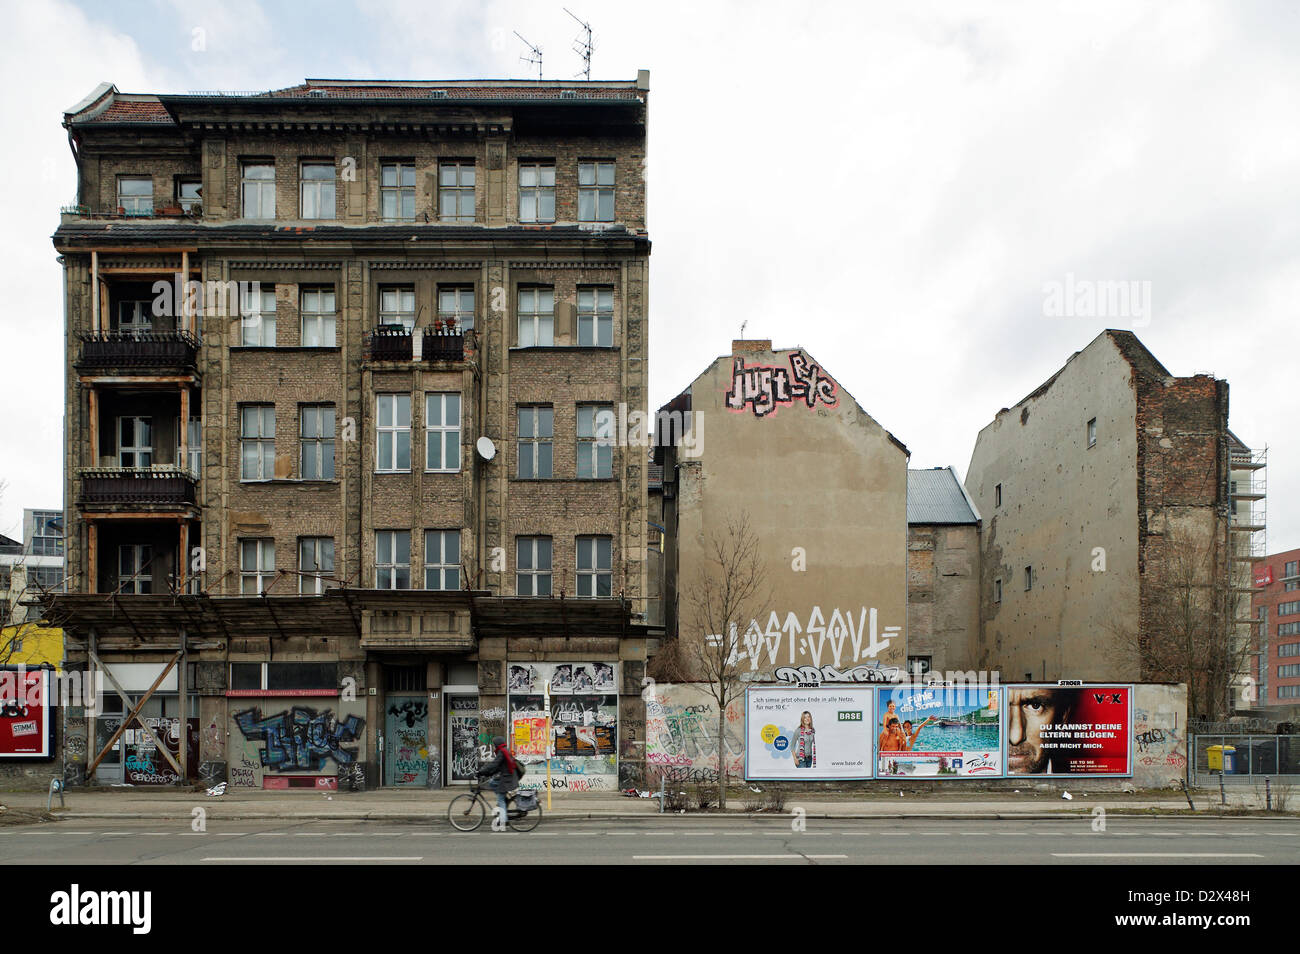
(300, 739)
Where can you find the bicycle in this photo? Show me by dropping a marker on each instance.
(467, 810)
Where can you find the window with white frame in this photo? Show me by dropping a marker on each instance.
(456, 307)
(315, 563)
(537, 192)
(135, 195)
(194, 444)
(317, 190)
(257, 442)
(135, 442)
(536, 316)
(595, 441)
(392, 432)
(442, 432)
(456, 190)
(442, 559)
(397, 306)
(318, 317)
(397, 192)
(256, 565)
(596, 192)
(596, 317)
(134, 317)
(595, 574)
(47, 533)
(534, 436)
(532, 566)
(135, 568)
(316, 442)
(189, 193)
(257, 188)
(257, 316)
(393, 559)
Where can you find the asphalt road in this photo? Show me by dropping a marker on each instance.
(665, 840)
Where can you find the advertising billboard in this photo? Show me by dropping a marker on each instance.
(1069, 730)
(26, 715)
(939, 732)
(811, 734)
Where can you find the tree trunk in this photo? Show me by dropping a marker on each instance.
(722, 758)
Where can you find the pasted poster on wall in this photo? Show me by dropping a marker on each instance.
(939, 732)
(1069, 730)
(565, 678)
(821, 734)
(584, 724)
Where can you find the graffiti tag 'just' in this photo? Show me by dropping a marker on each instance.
(765, 388)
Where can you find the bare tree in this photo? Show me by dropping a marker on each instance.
(729, 589)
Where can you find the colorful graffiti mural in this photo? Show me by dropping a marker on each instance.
(681, 734)
(296, 739)
(763, 389)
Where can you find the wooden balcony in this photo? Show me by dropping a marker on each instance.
(139, 352)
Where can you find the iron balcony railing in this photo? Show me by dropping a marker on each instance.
(395, 344)
(138, 349)
(163, 485)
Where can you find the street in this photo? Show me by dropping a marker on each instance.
(670, 840)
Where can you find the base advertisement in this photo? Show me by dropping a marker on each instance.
(1069, 730)
(939, 732)
(820, 734)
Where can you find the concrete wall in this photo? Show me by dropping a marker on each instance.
(1159, 735)
(682, 735)
(943, 595)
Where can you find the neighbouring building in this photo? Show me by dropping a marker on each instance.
(943, 574)
(1275, 665)
(1103, 494)
(344, 489)
(767, 436)
(31, 567)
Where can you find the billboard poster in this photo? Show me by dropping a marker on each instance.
(815, 734)
(939, 732)
(26, 718)
(529, 736)
(1069, 730)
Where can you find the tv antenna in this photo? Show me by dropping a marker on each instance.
(582, 45)
(535, 54)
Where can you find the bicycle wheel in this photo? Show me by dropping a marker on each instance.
(466, 812)
(526, 821)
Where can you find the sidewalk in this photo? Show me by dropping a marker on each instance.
(398, 805)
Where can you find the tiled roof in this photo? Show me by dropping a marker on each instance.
(379, 91)
(934, 496)
(134, 111)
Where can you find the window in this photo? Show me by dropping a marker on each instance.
(997, 591)
(393, 559)
(1290, 585)
(1288, 692)
(442, 559)
(1029, 578)
(997, 496)
(318, 315)
(397, 306)
(284, 675)
(457, 305)
(456, 191)
(595, 192)
(135, 195)
(316, 435)
(45, 577)
(918, 665)
(189, 193)
(47, 533)
(1288, 649)
(442, 432)
(134, 317)
(533, 566)
(257, 316)
(1092, 432)
(595, 577)
(256, 566)
(536, 317)
(1288, 629)
(397, 192)
(536, 426)
(135, 568)
(318, 190)
(257, 185)
(135, 442)
(595, 317)
(537, 192)
(595, 441)
(194, 444)
(315, 563)
(393, 435)
(1291, 569)
(257, 442)
(1288, 609)
(1289, 672)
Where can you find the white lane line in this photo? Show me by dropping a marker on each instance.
(249, 859)
(733, 857)
(1152, 854)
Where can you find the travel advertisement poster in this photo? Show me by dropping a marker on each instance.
(816, 734)
(939, 732)
(1069, 730)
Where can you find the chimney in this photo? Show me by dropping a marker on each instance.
(741, 346)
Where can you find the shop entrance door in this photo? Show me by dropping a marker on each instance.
(406, 745)
(462, 736)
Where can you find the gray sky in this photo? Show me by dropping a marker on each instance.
(890, 186)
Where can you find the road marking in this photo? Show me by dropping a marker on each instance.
(1151, 854)
(732, 857)
(247, 859)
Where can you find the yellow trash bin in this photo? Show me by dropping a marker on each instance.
(1217, 755)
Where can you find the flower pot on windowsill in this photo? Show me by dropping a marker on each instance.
(174, 211)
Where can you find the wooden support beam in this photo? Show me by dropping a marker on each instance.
(92, 396)
(182, 677)
(92, 557)
(94, 292)
(133, 715)
(183, 455)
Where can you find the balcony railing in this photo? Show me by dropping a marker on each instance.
(443, 345)
(390, 344)
(394, 344)
(138, 349)
(137, 486)
(195, 211)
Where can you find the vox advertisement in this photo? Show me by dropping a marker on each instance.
(1069, 730)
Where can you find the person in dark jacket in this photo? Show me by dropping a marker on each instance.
(502, 774)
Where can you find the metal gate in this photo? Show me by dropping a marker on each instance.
(1243, 758)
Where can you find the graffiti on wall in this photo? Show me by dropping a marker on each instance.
(681, 732)
(815, 676)
(762, 389)
(839, 641)
(300, 739)
(1159, 736)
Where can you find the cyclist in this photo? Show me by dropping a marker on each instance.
(502, 774)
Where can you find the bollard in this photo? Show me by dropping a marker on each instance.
(1268, 795)
(1223, 797)
(56, 788)
(1187, 792)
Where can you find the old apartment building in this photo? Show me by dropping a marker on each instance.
(345, 482)
(1118, 511)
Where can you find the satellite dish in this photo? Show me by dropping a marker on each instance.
(486, 449)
